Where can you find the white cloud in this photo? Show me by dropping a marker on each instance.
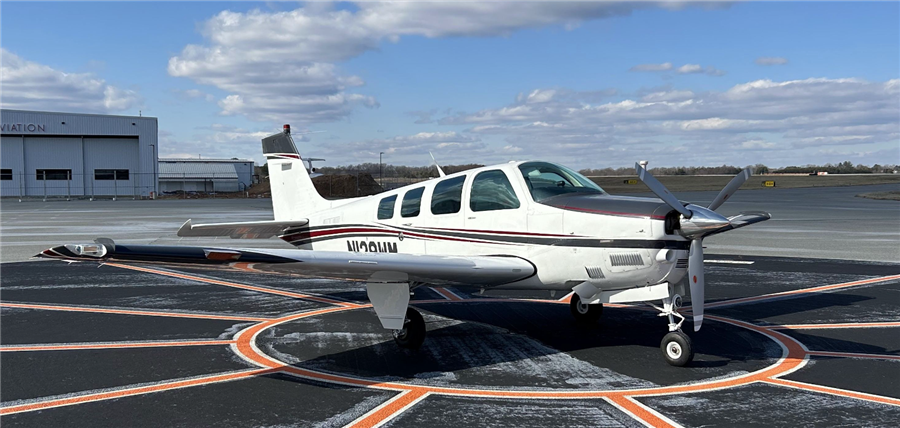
(771, 60)
(697, 69)
(449, 146)
(280, 66)
(666, 66)
(763, 117)
(32, 86)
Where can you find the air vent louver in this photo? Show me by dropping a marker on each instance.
(626, 259)
(594, 272)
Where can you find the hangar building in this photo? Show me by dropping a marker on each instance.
(205, 175)
(69, 154)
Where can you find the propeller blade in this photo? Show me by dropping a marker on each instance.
(695, 273)
(661, 191)
(730, 188)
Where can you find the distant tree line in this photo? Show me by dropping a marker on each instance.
(395, 170)
(845, 167)
(402, 171)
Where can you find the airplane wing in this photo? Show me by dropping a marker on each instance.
(438, 270)
(245, 230)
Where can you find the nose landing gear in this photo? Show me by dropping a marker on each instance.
(676, 346)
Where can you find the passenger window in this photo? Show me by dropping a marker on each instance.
(447, 196)
(491, 190)
(411, 202)
(386, 207)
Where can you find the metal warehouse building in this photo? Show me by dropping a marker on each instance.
(68, 154)
(205, 175)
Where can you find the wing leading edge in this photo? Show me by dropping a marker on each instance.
(438, 270)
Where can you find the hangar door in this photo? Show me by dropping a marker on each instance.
(53, 166)
(111, 166)
(12, 177)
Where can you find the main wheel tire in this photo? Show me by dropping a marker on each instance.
(585, 313)
(676, 348)
(412, 334)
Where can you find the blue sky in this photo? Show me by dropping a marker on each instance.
(743, 83)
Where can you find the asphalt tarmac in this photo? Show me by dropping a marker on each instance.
(787, 342)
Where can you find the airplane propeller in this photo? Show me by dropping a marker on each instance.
(697, 222)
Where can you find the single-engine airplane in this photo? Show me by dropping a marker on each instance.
(519, 225)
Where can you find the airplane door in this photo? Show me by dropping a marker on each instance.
(494, 205)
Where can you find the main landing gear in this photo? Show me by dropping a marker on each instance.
(412, 334)
(583, 312)
(676, 346)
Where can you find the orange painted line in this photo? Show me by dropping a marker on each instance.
(130, 312)
(839, 325)
(854, 355)
(128, 392)
(447, 294)
(236, 285)
(244, 266)
(113, 345)
(567, 298)
(640, 412)
(835, 391)
(389, 409)
(801, 291)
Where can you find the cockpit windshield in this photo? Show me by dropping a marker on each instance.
(546, 180)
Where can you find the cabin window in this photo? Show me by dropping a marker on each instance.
(5, 174)
(386, 207)
(447, 196)
(53, 174)
(412, 201)
(491, 190)
(110, 174)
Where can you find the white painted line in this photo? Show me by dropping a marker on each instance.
(730, 262)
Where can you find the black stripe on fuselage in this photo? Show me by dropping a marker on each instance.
(506, 240)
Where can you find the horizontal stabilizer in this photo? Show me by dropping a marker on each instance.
(245, 230)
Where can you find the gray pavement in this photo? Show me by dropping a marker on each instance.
(826, 223)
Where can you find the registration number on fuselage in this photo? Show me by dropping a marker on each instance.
(371, 247)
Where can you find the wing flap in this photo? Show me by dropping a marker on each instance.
(245, 230)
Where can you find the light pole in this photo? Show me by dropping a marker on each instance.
(380, 171)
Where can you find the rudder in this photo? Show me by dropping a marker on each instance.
(294, 197)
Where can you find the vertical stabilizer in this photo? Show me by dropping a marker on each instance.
(294, 197)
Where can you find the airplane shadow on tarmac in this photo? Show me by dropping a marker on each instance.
(532, 344)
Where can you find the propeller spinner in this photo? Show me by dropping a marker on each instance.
(697, 222)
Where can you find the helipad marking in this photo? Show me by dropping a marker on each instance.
(236, 285)
(836, 326)
(447, 294)
(389, 409)
(640, 412)
(783, 294)
(127, 392)
(794, 356)
(835, 391)
(102, 310)
(112, 345)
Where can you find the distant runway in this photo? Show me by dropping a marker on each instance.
(819, 222)
(787, 342)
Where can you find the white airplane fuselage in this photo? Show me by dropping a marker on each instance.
(611, 248)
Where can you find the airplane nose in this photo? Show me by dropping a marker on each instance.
(703, 222)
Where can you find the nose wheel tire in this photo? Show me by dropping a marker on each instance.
(412, 334)
(583, 312)
(676, 348)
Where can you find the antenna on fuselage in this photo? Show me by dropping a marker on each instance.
(433, 160)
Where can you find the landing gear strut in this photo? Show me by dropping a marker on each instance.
(676, 346)
(412, 334)
(583, 312)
